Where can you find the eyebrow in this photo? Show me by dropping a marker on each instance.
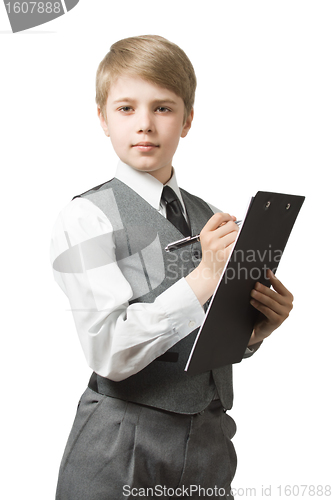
(156, 101)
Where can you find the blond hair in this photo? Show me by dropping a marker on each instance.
(152, 58)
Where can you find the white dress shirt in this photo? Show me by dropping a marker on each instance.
(119, 339)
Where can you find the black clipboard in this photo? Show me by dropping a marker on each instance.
(228, 324)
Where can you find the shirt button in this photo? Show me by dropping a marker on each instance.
(191, 323)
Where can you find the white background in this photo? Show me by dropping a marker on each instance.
(263, 121)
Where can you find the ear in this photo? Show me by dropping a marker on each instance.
(188, 123)
(103, 122)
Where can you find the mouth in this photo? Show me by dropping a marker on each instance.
(145, 146)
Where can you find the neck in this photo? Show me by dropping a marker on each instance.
(163, 175)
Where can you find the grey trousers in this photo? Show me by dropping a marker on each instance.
(118, 450)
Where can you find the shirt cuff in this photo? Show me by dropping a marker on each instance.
(251, 350)
(182, 308)
(248, 353)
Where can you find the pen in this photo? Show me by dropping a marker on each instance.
(176, 245)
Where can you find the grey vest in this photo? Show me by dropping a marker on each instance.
(141, 233)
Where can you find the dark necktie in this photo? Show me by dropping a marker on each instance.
(174, 211)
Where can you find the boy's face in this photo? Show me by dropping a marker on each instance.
(145, 122)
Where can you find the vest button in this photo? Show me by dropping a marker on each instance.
(196, 254)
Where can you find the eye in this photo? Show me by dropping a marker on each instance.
(125, 109)
(162, 109)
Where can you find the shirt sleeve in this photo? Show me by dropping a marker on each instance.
(118, 339)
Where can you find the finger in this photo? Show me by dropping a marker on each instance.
(273, 317)
(216, 220)
(227, 228)
(263, 289)
(277, 285)
(282, 309)
(227, 240)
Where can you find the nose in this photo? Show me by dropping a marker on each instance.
(145, 121)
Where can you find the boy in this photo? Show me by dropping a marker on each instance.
(143, 426)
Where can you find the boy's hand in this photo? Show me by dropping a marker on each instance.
(274, 307)
(217, 239)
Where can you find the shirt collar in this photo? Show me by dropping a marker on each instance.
(145, 185)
